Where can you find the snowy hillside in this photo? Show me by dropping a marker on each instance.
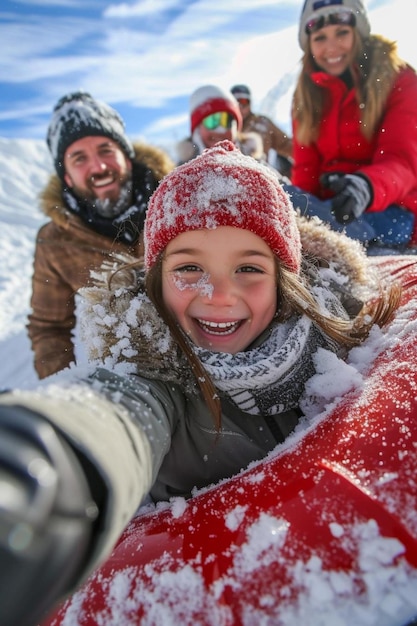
(24, 169)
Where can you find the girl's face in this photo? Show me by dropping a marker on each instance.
(221, 286)
(332, 48)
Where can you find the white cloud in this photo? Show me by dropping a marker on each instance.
(139, 9)
(201, 42)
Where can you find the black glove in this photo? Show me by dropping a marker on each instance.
(353, 195)
(46, 517)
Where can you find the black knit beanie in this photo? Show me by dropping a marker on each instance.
(79, 115)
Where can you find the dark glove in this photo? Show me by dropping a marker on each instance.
(353, 195)
(46, 516)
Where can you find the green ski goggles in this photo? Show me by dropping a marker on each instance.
(213, 121)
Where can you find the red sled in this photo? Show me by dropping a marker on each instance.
(323, 532)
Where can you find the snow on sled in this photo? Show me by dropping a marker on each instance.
(322, 532)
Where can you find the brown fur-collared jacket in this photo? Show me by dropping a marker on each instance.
(66, 252)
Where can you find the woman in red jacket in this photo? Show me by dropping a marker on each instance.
(355, 127)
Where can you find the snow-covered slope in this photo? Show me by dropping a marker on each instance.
(24, 169)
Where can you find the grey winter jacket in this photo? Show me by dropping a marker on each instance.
(194, 453)
(154, 438)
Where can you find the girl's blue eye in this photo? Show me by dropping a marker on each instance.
(188, 268)
(250, 268)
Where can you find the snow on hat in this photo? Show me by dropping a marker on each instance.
(79, 115)
(241, 91)
(211, 99)
(316, 8)
(223, 187)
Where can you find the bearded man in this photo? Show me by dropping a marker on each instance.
(96, 204)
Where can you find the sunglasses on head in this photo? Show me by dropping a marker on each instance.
(338, 18)
(244, 101)
(213, 121)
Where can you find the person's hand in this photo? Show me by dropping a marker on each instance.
(46, 516)
(352, 195)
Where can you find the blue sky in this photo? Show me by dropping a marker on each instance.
(146, 57)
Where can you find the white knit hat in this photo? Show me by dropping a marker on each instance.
(210, 99)
(317, 8)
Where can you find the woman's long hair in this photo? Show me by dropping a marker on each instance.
(309, 100)
(293, 297)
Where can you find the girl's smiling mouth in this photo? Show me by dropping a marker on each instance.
(219, 328)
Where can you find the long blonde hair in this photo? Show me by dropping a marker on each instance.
(294, 297)
(374, 69)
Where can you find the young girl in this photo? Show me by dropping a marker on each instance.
(206, 352)
(355, 127)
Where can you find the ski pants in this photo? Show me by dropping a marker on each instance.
(391, 228)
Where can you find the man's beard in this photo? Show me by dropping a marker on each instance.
(109, 207)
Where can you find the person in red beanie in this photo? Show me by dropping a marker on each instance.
(202, 358)
(215, 116)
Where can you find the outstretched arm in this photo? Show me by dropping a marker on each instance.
(75, 464)
(46, 516)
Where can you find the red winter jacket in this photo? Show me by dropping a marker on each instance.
(389, 161)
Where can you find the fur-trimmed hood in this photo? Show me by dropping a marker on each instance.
(51, 202)
(384, 65)
(122, 330)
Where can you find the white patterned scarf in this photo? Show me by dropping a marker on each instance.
(270, 378)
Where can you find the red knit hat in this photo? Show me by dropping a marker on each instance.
(210, 99)
(223, 187)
